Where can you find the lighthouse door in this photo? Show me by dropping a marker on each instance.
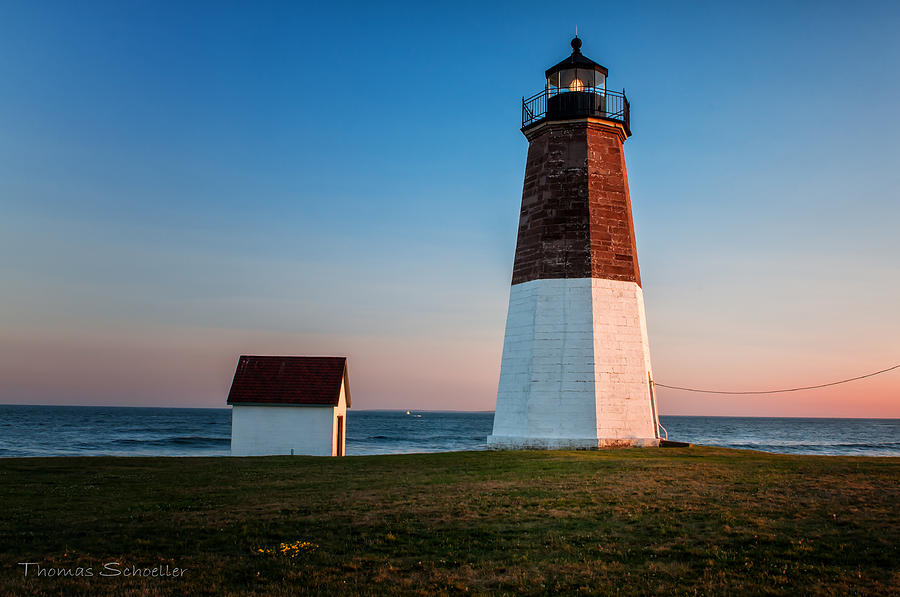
(340, 437)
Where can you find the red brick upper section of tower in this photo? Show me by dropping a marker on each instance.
(575, 220)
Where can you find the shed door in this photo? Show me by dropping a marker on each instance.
(340, 436)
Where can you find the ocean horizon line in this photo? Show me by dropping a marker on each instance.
(436, 411)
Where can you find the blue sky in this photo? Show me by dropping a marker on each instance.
(186, 182)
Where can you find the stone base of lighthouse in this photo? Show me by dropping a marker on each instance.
(575, 372)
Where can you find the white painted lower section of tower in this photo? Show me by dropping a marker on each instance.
(575, 371)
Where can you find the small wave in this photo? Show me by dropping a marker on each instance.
(813, 446)
(174, 441)
(386, 439)
(863, 445)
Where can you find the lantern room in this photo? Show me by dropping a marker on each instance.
(576, 88)
(576, 73)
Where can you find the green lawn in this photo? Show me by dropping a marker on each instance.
(653, 521)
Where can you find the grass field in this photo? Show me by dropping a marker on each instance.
(654, 521)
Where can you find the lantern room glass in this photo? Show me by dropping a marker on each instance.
(576, 79)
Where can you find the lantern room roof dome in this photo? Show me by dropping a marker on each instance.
(576, 60)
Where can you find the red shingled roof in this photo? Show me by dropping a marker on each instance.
(289, 380)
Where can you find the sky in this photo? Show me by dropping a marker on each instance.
(185, 182)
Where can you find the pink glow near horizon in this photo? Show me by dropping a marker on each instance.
(168, 367)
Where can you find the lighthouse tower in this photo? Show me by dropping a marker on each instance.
(575, 371)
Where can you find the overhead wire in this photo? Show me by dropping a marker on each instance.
(781, 391)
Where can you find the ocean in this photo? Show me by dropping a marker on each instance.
(94, 431)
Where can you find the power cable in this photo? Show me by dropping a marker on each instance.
(824, 385)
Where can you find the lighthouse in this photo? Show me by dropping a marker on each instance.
(575, 371)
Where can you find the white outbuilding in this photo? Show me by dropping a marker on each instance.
(289, 405)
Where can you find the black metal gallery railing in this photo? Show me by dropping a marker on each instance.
(593, 102)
